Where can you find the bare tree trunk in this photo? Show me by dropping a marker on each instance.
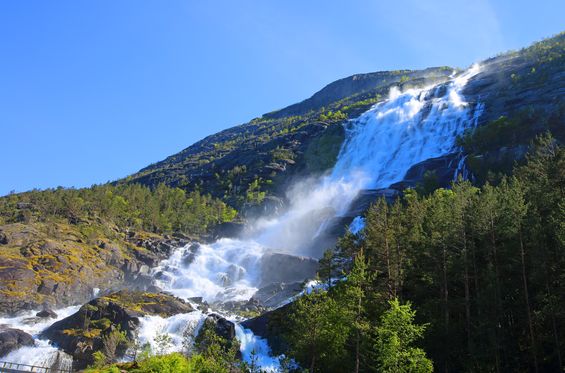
(554, 329)
(467, 297)
(398, 283)
(357, 348)
(312, 364)
(445, 308)
(496, 294)
(527, 299)
(387, 259)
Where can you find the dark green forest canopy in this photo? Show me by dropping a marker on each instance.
(483, 267)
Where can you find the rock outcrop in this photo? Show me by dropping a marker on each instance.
(271, 325)
(46, 313)
(220, 325)
(273, 295)
(12, 339)
(285, 268)
(57, 265)
(82, 333)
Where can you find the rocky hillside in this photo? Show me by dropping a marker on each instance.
(247, 163)
(58, 246)
(57, 264)
(251, 163)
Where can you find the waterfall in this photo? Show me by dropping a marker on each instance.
(380, 147)
(42, 354)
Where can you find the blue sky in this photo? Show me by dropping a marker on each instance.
(92, 91)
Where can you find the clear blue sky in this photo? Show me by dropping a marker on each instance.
(92, 91)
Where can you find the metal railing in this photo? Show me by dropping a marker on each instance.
(7, 367)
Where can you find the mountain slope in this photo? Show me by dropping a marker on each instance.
(244, 163)
(303, 136)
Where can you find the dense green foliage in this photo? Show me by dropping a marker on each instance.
(161, 210)
(170, 363)
(339, 330)
(484, 267)
(207, 353)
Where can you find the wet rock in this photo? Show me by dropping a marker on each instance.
(271, 326)
(190, 254)
(154, 289)
(130, 266)
(144, 270)
(221, 327)
(279, 268)
(12, 339)
(365, 198)
(3, 238)
(47, 313)
(158, 249)
(147, 257)
(227, 230)
(142, 283)
(270, 206)
(242, 308)
(200, 302)
(443, 168)
(273, 295)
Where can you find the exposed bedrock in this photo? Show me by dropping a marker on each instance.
(285, 268)
(13, 339)
(56, 266)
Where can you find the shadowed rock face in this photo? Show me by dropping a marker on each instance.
(273, 295)
(278, 268)
(510, 83)
(271, 326)
(220, 325)
(443, 168)
(12, 339)
(82, 333)
(46, 313)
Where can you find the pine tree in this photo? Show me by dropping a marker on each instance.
(356, 288)
(318, 332)
(394, 339)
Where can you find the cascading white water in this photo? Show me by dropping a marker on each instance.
(42, 354)
(380, 147)
(227, 270)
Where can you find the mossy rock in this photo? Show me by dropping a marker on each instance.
(83, 333)
(322, 151)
